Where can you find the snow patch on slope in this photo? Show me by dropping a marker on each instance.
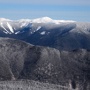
(43, 33)
(6, 31)
(17, 32)
(38, 28)
(10, 27)
(25, 24)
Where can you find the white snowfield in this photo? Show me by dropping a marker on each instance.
(10, 27)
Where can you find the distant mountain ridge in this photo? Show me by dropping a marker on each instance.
(59, 34)
(11, 26)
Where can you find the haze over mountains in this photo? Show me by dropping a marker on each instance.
(54, 51)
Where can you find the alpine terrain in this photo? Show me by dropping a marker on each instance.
(46, 52)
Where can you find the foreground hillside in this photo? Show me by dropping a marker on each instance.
(21, 60)
(30, 85)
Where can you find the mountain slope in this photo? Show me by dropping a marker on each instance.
(12, 27)
(59, 34)
(21, 60)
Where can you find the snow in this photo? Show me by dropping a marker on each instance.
(45, 20)
(38, 20)
(49, 20)
(4, 19)
(82, 28)
(6, 31)
(42, 20)
(14, 28)
(42, 33)
(23, 24)
(31, 33)
(63, 21)
(10, 27)
(17, 32)
(38, 28)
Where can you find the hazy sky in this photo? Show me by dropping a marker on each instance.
(78, 10)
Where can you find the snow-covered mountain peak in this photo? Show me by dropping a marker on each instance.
(49, 20)
(16, 26)
(4, 19)
(42, 20)
(45, 20)
(38, 20)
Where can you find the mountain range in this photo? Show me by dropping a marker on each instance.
(59, 34)
(46, 50)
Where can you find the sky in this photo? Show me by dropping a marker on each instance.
(77, 10)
